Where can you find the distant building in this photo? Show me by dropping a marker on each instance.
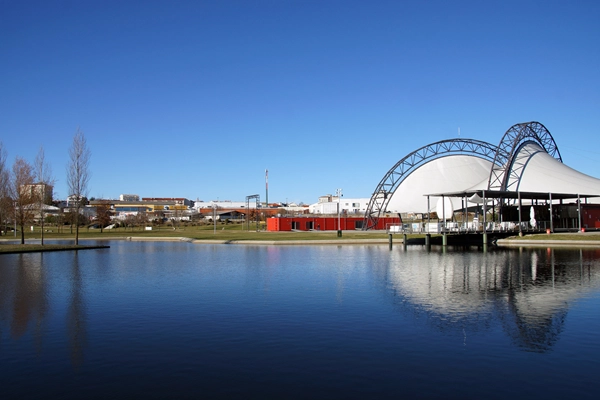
(129, 197)
(73, 200)
(328, 204)
(175, 200)
(328, 198)
(225, 204)
(38, 190)
(165, 207)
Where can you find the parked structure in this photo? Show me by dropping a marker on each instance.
(322, 223)
(526, 160)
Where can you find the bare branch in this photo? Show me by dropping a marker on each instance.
(23, 193)
(45, 183)
(78, 174)
(5, 200)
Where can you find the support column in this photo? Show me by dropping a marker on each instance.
(465, 215)
(443, 226)
(520, 206)
(427, 234)
(484, 221)
(579, 211)
(551, 218)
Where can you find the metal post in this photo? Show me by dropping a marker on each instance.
(484, 221)
(427, 234)
(551, 218)
(579, 211)
(339, 227)
(444, 239)
(520, 205)
(466, 214)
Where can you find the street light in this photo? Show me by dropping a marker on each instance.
(338, 193)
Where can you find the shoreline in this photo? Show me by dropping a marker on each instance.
(547, 243)
(503, 243)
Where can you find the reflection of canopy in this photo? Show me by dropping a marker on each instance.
(452, 288)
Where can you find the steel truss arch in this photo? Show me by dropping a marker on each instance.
(403, 168)
(508, 166)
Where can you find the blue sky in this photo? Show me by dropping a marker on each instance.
(197, 98)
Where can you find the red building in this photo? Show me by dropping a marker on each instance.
(308, 223)
(590, 216)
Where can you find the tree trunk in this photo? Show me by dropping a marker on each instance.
(77, 234)
(42, 217)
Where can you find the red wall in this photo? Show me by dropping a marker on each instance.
(282, 224)
(591, 216)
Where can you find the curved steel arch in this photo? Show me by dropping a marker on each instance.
(396, 175)
(507, 166)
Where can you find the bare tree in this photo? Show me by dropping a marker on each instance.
(141, 218)
(129, 221)
(103, 214)
(78, 174)
(45, 182)
(23, 194)
(5, 200)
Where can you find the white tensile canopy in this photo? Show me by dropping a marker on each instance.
(541, 173)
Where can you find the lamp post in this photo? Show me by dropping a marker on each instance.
(338, 193)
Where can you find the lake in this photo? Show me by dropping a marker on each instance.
(185, 320)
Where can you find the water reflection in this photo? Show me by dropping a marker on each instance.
(528, 291)
(23, 297)
(76, 313)
(24, 300)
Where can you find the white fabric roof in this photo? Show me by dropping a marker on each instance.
(446, 174)
(542, 173)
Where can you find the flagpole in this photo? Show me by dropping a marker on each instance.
(267, 188)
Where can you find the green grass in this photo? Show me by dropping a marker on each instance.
(223, 232)
(588, 236)
(32, 248)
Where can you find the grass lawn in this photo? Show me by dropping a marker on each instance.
(223, 232)
(587, 236)
(32, 248)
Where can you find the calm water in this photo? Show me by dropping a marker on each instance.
(174, 320)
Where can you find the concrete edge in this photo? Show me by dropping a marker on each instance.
(547, 243)
(295, 242)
